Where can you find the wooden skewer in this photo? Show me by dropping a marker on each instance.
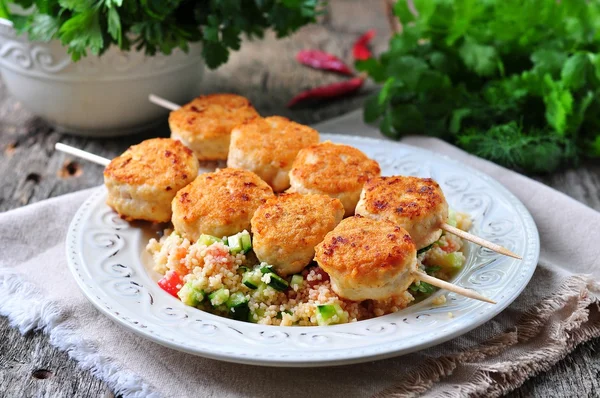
(453, 288)
(82, 154)
(155, 99)
(480, 241)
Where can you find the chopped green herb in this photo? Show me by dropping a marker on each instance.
(430, 270)
(422, 287)
(423, 250)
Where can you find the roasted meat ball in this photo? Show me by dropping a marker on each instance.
(287, 228)
(368, 259)
(205, 124)
(143, 181)
(337, 170)
(221, 203)
(268, 148)
(416, 204)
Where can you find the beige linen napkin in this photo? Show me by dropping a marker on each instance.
(558, 310)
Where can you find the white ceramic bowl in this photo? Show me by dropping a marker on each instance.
(96, 96)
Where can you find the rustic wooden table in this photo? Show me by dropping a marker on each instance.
(266, 73)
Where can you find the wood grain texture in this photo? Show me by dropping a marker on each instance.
(266, 72)
(30, 367)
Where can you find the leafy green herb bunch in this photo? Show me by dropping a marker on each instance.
(158, 25)
(513, 81)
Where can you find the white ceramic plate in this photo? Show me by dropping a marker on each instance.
(107, 258)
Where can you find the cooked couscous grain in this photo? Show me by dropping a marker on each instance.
(207, 270)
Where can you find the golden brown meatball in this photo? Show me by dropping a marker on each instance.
(416, 204)
(268, 148)
(337, 170)
(221, 203)
(205, 124)
(287, 228)
(368, 259)
(143, 181)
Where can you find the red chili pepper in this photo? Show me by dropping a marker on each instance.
(322, 60)
(171, 283)
(360, 49)
(328, 91)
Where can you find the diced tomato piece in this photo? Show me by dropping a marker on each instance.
(449, 248)
(171, 283)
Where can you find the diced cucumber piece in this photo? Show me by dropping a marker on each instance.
(242, 269)
(455, 259)
(326, 314)
(208, 240)
(219, 297)
(276, 282)
(297, 280)
(423, 250)
(264, 292)
(252, 279)
(255, 315)
(240, 312)
(190, 296)
(238, 306)
(239, 243)
(236, 298)
(451, 217)
(246, 241)
(280, 313)
(235, 244)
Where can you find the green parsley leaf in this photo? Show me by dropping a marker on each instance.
(372, 109)
(548, 61)
(114, 25)
(481, 59)
(559, 104)
(373, 68)
(482, 75)
(4, 12)
(80, 32)
(575, 71)
(76, 5)
(214, 54)
(92, 26)
(594, 147)
(44, 27)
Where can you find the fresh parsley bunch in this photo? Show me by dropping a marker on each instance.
(158, 25)
(513, 81)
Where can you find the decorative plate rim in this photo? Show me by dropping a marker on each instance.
(274, 335)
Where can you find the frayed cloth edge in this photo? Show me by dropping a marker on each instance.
(493, 380)
(28, 310)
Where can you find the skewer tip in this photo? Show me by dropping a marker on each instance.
(155, 99)
(82, 154)
(442, 284)
(479, 241)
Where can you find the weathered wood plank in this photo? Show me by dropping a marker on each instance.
(578, 375)
(30, 367)
(264, 71)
